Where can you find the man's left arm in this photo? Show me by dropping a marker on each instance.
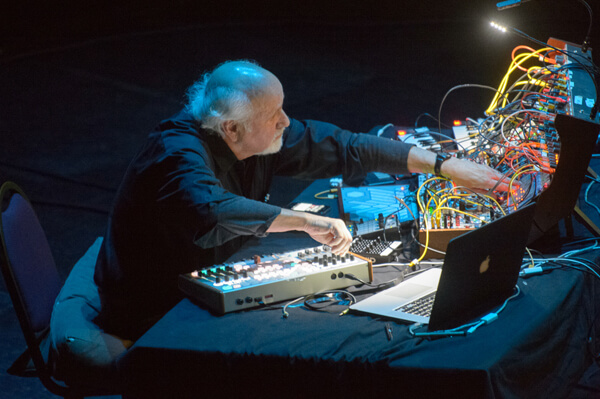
(478, 177)
(315, 150)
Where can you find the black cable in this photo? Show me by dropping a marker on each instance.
(586, 41)
(581, 241)
(460, 87)
(384, 285)
(432, 117)
(327, 299)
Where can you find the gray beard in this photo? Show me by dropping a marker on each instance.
(273, 148)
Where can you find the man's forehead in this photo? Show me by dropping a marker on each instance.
(269, 101)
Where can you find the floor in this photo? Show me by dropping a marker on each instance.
(83, 85)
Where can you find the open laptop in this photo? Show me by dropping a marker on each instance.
(480, 271)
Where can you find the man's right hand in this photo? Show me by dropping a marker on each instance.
(325, 230)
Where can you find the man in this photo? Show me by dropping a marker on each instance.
(196, 190)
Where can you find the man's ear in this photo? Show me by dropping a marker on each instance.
(231, 130)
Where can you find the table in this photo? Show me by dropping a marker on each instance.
(539, 347)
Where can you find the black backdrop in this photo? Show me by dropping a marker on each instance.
(82, 83)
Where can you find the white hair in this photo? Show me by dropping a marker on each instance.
(211, 105)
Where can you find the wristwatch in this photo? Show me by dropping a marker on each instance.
(439, 160)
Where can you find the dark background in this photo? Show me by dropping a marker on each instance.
(83, 82)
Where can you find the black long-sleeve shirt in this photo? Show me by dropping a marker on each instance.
(187, 202)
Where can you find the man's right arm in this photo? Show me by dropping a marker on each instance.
(328, 231)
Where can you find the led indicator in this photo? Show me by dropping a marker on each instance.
(501, 28)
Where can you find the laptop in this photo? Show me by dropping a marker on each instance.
(480, 271)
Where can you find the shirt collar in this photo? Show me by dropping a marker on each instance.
(222, 154)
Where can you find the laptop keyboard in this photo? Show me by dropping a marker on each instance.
(419, 307)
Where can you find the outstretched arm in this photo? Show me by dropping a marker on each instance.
(480, 178)
(328, 231)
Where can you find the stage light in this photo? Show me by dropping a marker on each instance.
(501, 28)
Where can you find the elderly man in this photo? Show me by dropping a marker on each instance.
(197, 188)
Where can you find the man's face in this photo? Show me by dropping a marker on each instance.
(265, 130)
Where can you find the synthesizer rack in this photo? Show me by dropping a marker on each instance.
(536, 132)
(273, 278)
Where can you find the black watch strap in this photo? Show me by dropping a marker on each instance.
(439, 160)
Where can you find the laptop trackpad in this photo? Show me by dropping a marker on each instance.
(408, 290)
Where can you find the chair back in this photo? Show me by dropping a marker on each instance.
(29, 271)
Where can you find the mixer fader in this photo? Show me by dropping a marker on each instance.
(272, 278)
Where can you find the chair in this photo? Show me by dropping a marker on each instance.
(34, 283)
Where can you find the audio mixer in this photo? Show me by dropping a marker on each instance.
(273, 278)
(377, 250)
